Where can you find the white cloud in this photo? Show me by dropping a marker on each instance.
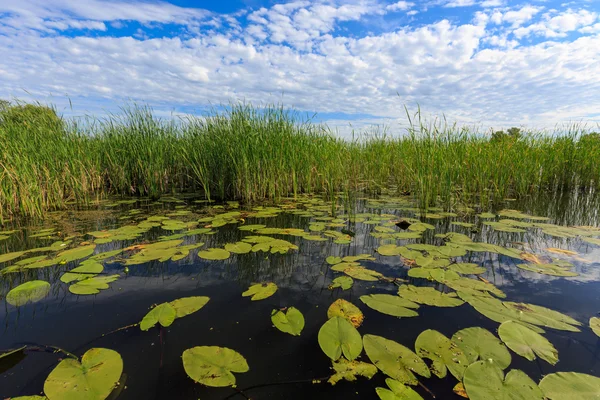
(558, 25)
(460, 3)
(400, 6)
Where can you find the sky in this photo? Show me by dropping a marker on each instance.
(486, 63)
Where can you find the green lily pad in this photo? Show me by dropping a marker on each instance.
(345, 309)
(331, 260)
(358, 257)
(76, 253)
(570, 386)
(260, 291)
(469, 285)
(486, 215)
(29, 398)
(238, 248)
(363, 274)
(397, 391)
(595, 325)
(480, 344)
(389, 250)
(395, 360)
(213, 366)
(526, 342)
(349, 370)
(548, 269)
(344, 282)
(214, 254)
(92, 285)
(484, 380)
(390, 305)
(94, 378)
(429, 296)
(28, 292)
(445, 354)
(251, 227)
(188, 305)
(87, 269)
(11, 256)
(467, 268)
(164, 314)
(289, 321)
(337, 336)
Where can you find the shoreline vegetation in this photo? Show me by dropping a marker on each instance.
(251, 154)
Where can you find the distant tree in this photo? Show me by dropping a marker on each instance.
(32, 116)
(512, 134)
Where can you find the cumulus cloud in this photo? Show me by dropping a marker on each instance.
(476, 72)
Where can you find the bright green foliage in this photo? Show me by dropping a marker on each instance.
(429, 296)
(484, 380)
(466, 268)
(164, 314)
(94, 378)
(213, 366)
(87, 269)
(349, 370)
(595, 325)
(289, 321)
(238, 248)
(397, 391)
(75, 253)
(479, 343)
(570, 386)
(260, 291)
(445, 354)
(391, 305)
(548, 269)
(526, 342)
(395, 360)
(344, 282)
(337, 336)
(331, 260)
(92, 285)
(214, 254)
(28, 292)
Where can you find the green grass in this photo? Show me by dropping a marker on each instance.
(252, 154)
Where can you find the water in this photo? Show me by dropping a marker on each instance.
(281, 365)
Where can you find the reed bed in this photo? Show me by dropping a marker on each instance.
(247, 153)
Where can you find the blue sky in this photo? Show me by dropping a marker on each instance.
(490, 63)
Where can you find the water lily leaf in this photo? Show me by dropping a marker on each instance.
(358, 257)
(213, 366)
(214, 254)
(188, 305)
(333, 260)
(395, 360)
(11, 256)
(486, 215)
(445, 354)
(92, 285)
(526, 342)
(163, 313)
(542, 316)
(362, 274)
(479, 343)
(238, 248)
(548, 269)
(397, 391)
(343, 265)
(420, 227)
(429, 296)
(459, 389)
(349, 370)
(87, 269)
(35, 397)
(76, 253)
(28, 292)
(470, 285)
(345, 309)
(570, 386)
(389, 250)
(251, 227)
(467, 268)
(344, 282)
(94, 378)
(289, 321)
(390, 305)
(484, 380)
(595, 325)
(337, 336)
(260, 291)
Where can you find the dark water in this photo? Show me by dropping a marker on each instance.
(284, 364)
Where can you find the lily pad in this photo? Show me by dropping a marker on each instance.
(28, 292)
(479, 343)
(595, 325)
(260, 291)
(289, 321)
(345, 309)
(76, 253)
(164, 314)
(344, 282)
(87, 269)
(337, 336)
(363, 274)
(429, 296)
(548, 269)
(445, 354)
(390, 305)
(570, 386)
(395, 360)
(214, 254)
(349, 370)
(213, 366)
(467, 268)
(238, 248)
(397, 391)
(484, 380)
(94, 378)
(526, 342)
(188, 305)
(331, 260)
(92, 285)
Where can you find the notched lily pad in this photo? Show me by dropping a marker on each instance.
(289, 320)
(390, 305)
(344, 282)
(526, 342)
(337, 336)
(345, 309)
(479, 343)
(429, 296)
(397, 391)
(484, 380)
(445, 354)
(260, 291)
(570, 386)
(213, 366)
(349, 370)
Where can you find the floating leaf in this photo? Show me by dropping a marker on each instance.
(548, 269)
(395, 360)
(87, 269)
(238, 248)
(479, 343)
(429, 296)
(484, 380)
(542, 316)
(358, 257)
(466, 268)
(164, 314)
(214, 254)
(251, 227)
(398, 391)
(76, 253)
(289, 321)
(389, 250)
(471, 285)
(92, 285)
(28, 292)
(445, 354)
(570, 386)
(486, 215)
(213, 366)
(349, 370)
(333, 260)
(94, 378)
(595, 325)
(345, 309)
(344, 282)
(362, 274)
(337, 336)
(260, 291)
(459, 389)
(526, 342)
(188, 305)
(391, 305)
(11, 256)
